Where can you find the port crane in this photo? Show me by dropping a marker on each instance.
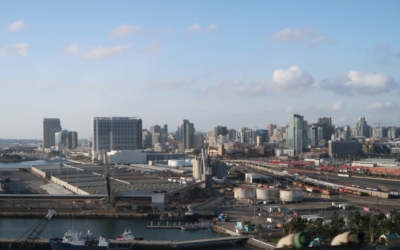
(35, 230)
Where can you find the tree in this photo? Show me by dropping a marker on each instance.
(336, 227)
(386, 225)
(373, 226)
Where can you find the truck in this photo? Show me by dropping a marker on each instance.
(336, 204)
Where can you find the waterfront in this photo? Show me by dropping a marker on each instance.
(108, 227)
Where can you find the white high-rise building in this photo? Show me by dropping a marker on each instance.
(115, 133)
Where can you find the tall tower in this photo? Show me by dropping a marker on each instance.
(297, 133)
(51, 126)
(362, 127)
(187, 134)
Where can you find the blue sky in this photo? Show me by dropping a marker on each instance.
(231, 63)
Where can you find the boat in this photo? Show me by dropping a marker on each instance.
(189, 227)
(127, 236)
(73, 240)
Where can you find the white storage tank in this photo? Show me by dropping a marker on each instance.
(267, 193)
(244, 192)
(196, 169)
(291, 195)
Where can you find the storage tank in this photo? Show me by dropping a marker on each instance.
(245, 192)
(196, 169)
(267, 193)
(291, 195)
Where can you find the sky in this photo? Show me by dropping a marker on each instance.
(228, 63)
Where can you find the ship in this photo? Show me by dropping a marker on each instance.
(127, 236)
(189, 227)
(73, 240)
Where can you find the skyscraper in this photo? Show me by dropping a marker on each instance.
(51, 126)
(116, 133)
(219, 130)
(270, 129)
(326, 124)
(362, 127)
(72, 139)
(297, 133)
(187, 134)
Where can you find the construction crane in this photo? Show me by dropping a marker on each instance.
(35, 230)
(109, 204)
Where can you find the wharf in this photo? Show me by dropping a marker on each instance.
(12, 243)
(200, 225)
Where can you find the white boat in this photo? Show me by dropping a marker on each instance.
(126, 236)
(189, 227)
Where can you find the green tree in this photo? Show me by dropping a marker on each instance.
(373, 226)
(386, 225)
(336, 227)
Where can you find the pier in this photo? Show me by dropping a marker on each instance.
(12, 243)
(179, 225)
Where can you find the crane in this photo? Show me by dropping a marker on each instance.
(36, 230)
(379, 128)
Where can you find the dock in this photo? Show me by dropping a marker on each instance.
(12, 243)
(179, 225)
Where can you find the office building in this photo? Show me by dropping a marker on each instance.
(271, 128)
(219, 130)
(297, 136)
(51, 126)
(263, 134)
(188, 130)
(232, 134)
(61, 141)
(197, 141)
(116, 133)
(155, 129)
(72, 139)
(362, 128)
(342, 148)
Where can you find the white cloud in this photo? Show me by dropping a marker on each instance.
(168, 85)
(312, 37)
(21, 49)
(378, 106)
(100, 52)
(124, 29)
(338, 106)
(152, 48)
(361, 83)
(236, 86)
(16, 26)
(196, 28)
(292, 80)
(73, 49)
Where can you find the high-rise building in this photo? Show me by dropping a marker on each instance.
(362, 127)
(219, 130)
(61, 140)
(51, 126)
(155, 129)
(232, 134)
(326, 124)
(72, 139)
(116, 133)
(146, 138)
(297, 136)
(263, 134)
(187, 134)
(197, 141)
(270, 128)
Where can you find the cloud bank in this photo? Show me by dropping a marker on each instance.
(360, 83)
(124, 29)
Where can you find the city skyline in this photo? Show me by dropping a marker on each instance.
(237, 66)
